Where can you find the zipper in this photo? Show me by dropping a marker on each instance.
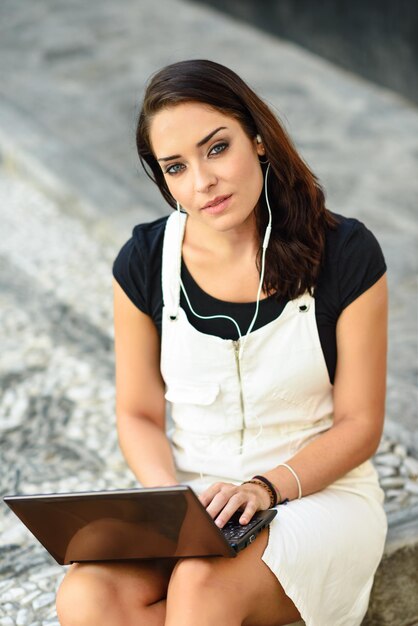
(236, 345)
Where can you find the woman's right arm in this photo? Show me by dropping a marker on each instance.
(140, 402)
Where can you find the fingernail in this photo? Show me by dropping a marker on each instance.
(218, 523)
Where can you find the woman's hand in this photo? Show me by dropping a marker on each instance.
(221, 500)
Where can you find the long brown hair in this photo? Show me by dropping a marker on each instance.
(299, 215)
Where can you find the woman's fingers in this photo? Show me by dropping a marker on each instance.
(224, 494)
(223, 507)
(248, 513)
(249, 506)
(207, 496)
(222, 500)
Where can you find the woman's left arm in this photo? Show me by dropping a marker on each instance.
(359, 408)
(359, 399)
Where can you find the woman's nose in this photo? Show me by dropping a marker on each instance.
(204, 178)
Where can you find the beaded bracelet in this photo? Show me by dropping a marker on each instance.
(273, 488)
(265, 487)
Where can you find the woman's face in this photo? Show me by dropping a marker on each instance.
(210, 165)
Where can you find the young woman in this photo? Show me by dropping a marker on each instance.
(261, 316)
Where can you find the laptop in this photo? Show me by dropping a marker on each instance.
(143, 523)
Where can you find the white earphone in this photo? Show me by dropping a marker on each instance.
(265, 243)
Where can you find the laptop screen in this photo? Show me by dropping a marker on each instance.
(142, 523)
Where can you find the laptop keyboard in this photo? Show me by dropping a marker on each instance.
(233, 530)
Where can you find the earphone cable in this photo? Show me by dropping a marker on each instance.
(209, 317)
(266, 239)
(263, 265)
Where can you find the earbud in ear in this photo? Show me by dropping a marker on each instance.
(258, 137)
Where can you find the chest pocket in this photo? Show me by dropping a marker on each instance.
(202, 394)
(198, 407)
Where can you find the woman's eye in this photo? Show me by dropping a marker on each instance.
(174, 169)
(220, 147)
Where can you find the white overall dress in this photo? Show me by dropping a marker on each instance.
(232, 419)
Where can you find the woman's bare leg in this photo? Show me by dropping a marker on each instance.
(114, 594)
(239, 592)
(205, 591)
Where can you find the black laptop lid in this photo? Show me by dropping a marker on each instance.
(128, 524)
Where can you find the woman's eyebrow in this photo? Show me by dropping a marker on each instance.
(198, 145)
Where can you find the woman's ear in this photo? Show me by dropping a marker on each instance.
(261, 151)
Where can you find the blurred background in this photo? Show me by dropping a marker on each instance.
(342, 78)
(377, 39)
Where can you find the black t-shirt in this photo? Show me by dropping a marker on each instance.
(353, 262)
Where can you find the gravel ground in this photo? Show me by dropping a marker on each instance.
(56, 375)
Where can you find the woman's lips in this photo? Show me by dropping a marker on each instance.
(217, 207)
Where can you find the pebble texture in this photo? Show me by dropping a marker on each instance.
(57, 429)
(70, 192)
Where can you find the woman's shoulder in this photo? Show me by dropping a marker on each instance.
(350, 237)
(346, 230)
(145, 239)
(139, 261)
(149, 234)
(353, 261)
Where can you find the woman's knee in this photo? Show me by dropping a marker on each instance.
(85, 596)
(197, 574)
(198, 585)
(106, 593)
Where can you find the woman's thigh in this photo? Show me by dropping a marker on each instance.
(243, 589)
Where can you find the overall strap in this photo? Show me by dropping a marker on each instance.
(304, 303)
(171, 262)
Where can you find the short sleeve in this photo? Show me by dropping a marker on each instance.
(361, 263)
(129, 271)
(137, 268)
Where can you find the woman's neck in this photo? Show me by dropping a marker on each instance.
(206, 242)
(223, 264)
